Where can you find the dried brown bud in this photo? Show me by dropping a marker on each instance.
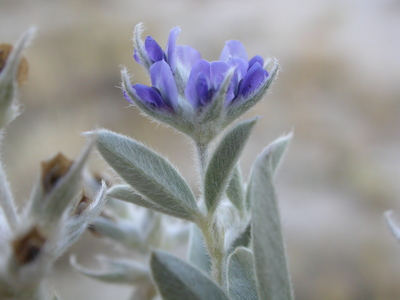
(54, 169)
(5, 50)
(27, 247)
(82, 205)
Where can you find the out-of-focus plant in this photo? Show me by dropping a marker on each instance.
(57, 212)
(236, 248)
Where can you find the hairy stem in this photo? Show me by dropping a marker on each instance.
(7, 198)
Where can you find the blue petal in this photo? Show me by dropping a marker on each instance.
(255, 59)
(204, 93)
(148, 96)
(162, 78)
(253, 79)
(217, 73)
(191, 93)
(171, 47)
(154, 50)
(233, 49)
(187, 55)
(136, 56)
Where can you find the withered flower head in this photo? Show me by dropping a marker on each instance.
(5, 50)
(82, 205)
(54, 169)
(27, 247)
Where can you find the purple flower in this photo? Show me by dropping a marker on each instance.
(163, 93)
(179, 74)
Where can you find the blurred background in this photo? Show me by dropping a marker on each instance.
(338, 91)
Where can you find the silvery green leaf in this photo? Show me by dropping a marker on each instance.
(197, 253)
(241, 275)
(243, 239)
(222, 162)
(273, 282)
(393, 224)
(235, 190)
(148, 173)
(236, 109)
(127, 193)
(178, 280)
(122, 271)
(120, 231)
(277, 150)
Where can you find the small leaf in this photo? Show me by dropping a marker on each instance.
(222, 162)
(243, 239)
(120, 271)
(241, 276)
(235, 191)
(127, 193)
(277, 149)
(273, 280)
(178, 280)
(148, 173)
(393, 224)
(197, 253)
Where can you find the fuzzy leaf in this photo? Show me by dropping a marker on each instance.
(273, 282)
(120, 271)
(127, 193)
(178, 280)
(148, 173)
(243, 239)
(277, 151)
(235, 190)
(241, 276)
(393, 224)
(197, 253)
(222, 162)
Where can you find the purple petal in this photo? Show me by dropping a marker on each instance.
(154, 50)
(255, 59)
(201, 67)
(204, 93)
(187, 55)
(233, 49)
(171, 47)
(253, 79)
(136, 56)
(217, 73)
(148, 96)
(162, 78)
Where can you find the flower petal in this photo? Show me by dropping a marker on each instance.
(171, 47)
(163, 79)
(187, 55)
(233, 49)
(148, 96)
(191, 92)
(253, 79)
(154, 50)
(255, 59)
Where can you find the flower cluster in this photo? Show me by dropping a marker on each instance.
(189, 92)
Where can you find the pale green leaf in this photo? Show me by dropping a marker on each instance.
(222, 162)
(197, 253)
(121, 271)
(241, 276)
(178, 280)
(148, 173)
(127, 193)
(273, 280)
(235, 190)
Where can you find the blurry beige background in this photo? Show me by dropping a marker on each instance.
(338, 90)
